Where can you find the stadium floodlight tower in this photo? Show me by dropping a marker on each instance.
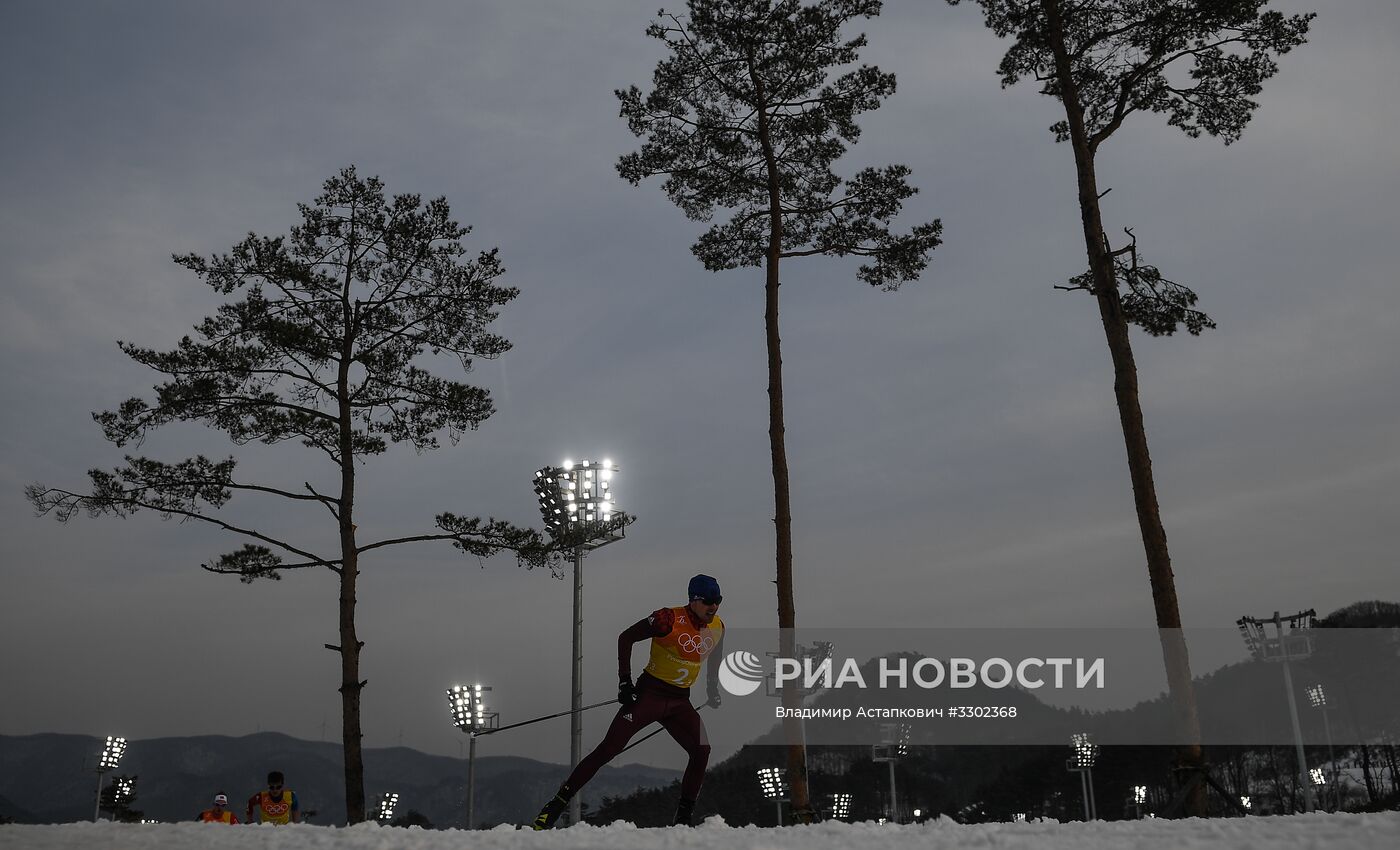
(388, 801)
(1084, 753)
(1318, 697)
(1283, 640)
(773, 782)
(470, 714)
(576, 502)
(894, 746)
(111, 757)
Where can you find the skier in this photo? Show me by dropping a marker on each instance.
(275, 805)
(681, 638)
(219, 813)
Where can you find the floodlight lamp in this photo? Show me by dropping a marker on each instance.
(123, 790)
(460, 700)
(1246, 803)
(568, 465)
(1019, 817)
(918, 812)
(1139, 794)
(1318, 777)
(771, 781)
(1086, 752)
(1317, 697)
(840, 806)
(111, 753)
(387, 802)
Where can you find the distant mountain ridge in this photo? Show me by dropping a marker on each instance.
(50, 778)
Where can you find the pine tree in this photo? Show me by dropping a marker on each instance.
(1200, 63)
(745, 117)
(329, 345)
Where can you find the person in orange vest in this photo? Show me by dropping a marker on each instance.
(681, 639)
(278, 804)
(219, 813)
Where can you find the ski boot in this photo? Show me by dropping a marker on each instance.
(553, 809)
(684, 809)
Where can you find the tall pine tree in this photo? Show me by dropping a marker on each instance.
(330, 345)
(745, 117)
(1199, 63)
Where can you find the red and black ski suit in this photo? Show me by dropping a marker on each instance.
(678, 644)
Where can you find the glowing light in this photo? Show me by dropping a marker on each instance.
(468, 707)
(773, 782)
(1086, 752)
(841, 806)
(387, 801)
(111, 754)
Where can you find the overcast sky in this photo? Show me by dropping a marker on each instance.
(956, 455)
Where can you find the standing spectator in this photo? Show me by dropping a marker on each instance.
(278, 804)
(219, 813)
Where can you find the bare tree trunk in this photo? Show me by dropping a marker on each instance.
(349, 648)
(350, 687)
(782, 507)
(1366, 773)
(1125, 390)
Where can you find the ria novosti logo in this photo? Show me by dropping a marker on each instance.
(740, 673)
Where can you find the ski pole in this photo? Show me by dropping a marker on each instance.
(546, 717)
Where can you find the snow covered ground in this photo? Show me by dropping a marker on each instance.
(1304, 832)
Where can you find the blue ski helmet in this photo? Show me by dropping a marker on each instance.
(704, 587)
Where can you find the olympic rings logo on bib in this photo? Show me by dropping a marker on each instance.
(695, 643)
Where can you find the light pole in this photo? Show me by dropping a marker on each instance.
(1318, 697)
(773, 782)
(1289, 640)
(470, 714)
(1085, 753)
(111, 756)
(388, 801)
(576, 502)
(1139, 798)
(895, 746)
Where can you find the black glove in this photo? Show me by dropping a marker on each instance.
(626, 693)
(712, 699)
